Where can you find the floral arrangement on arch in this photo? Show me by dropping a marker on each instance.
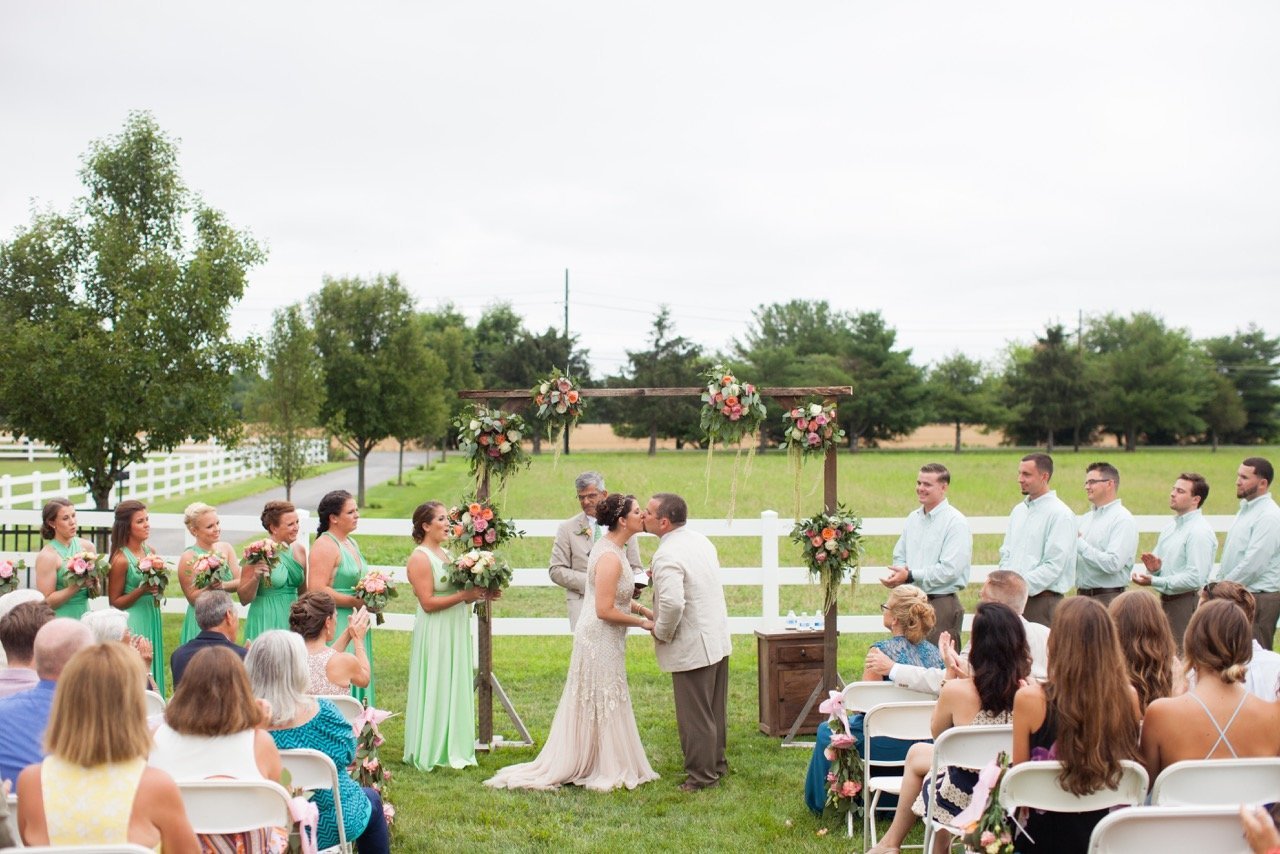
(557, 401)
(844, 777)
(9, 571)
(490, 439)
(730, 409)
(475, 524)
(811, 428)
(984, 826)
(832, 545)
(90, 571)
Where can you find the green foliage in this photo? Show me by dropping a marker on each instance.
(961, 392)
(671, 361)
(373, 359)
(1223, 412)
(288, 400)
(450, 339)
(116, 314)
(1251, 361)
(1047, 388)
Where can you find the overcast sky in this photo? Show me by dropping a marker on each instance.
(971, 170)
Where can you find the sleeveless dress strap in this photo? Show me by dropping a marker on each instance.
(1222, 730)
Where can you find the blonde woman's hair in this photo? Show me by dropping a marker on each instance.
(193, 513)
(99, 714)
(1218, 641)
(911, 608)
(277, 665)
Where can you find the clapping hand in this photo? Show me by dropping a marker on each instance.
(897, 575)
(1259, 829)
(358, 624)
(144, 648)
(957, 668)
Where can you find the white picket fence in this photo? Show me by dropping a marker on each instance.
(769, 575)
(160, 477)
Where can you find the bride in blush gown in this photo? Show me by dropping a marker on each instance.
(594, 742)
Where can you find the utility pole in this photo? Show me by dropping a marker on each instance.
(568, 346)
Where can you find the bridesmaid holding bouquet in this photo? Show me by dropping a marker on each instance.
(209, 564)
(335, 565)
(270, 589)
(65, 595)
(127, 586)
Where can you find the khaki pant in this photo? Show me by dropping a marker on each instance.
(1040, 608)
(1178, 608)
(702, 700)
(949, 617)
(1264, 619)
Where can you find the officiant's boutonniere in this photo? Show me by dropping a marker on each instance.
(585, 531)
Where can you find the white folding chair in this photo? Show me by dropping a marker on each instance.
(971, 747)
(860, 696)
(350, 707)
(234, 806)
(1218, 782)
(1035, 785)
(1140, 829)
(116, 848)
(12, 819)
(905, 721)
(155, 704)
(312, 770)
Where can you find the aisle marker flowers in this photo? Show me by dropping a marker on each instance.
(844, 777)
(374, 589)
(832, 545)
(984, 825)
(155, 574)
(89, 570)
(9, 575)
(490, 440)
(808, 430)
(265, 552)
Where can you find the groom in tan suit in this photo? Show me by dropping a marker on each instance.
(574, 540)
(691, 631)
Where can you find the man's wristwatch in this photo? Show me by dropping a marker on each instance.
(911, 579)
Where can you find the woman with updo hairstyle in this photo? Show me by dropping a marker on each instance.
(202, 522)
(271, 591)
(1147, 643)
(439, 723)
(125, 587)
(329, 671)
(58, 528)
(1216, 718)
(593, 741)
(335, 565)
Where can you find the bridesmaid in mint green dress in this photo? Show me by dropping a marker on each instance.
(439, 723)
(203, 523)
(335, 565)
(124, 586)
(58, 527)
(269, 604)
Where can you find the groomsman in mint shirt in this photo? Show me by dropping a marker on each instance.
(1251, 554)
(1182, 560)
(935, 551)
(1040, 542)
(1108, 537)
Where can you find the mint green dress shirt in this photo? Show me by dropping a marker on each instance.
(1105, 548)
(1251, 554)
(1040, 544)
(937, 547)
(1186, 549)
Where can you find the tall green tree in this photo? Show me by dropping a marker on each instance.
(288, 400)
(530, 357)
(1047, 388)
(449, 338)
(372, 358)
(1251, 361)
(961, 392)
(117, 342)
(1223, 411)
(1156, 378)
(888, 390)
(671, 361)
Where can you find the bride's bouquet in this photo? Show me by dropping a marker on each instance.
(90, 571)
(155, 574)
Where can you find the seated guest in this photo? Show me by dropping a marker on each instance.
(277, 665)
(18, 636)
(1147, 643)
(218, 621)
(95, 788)
(26, 713)
(1003, 586)
(110, 625)
(909, 617)
(1216, 718)
(1086, 717)
(1264, 665)
(11, 600)
(211, 731)
(314, 616)
(1000, 662)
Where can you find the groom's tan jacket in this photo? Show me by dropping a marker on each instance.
(691, 620)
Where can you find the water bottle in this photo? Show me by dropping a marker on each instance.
(791, 624)
(818, 622)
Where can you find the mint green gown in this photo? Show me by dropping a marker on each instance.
(144, 617)
(79, 603)
(190, 628)
(270, 608)
(351, 568)
(440, 721)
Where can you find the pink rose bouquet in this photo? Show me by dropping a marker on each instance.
(10, 575)
(265, 552)
(207, 569)
(374, 589)
(90, 571)
(155, 574)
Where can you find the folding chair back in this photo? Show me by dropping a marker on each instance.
(1215, 829)
(905, 721)
(155, 704)
(234, 806)
(971, 747)
(312, 770)
(1035, 785)
(12, 819)
(1218, 782)
(350, 707)
(860, 696)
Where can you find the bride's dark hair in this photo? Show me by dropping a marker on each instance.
(614, 507)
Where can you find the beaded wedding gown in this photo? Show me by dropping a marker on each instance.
(593, 742)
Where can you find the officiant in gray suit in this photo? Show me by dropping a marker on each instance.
(691, 635)
(574, 539)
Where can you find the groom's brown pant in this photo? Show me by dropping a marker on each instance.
(702, 698)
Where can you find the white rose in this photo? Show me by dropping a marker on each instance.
(513, 435)
(504, 447)
(474, 425)
(733, 390)
(831, 545)
(544, 388)
(815, 409)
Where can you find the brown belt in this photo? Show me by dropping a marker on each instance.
(1095, 591)
(1164, 597)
